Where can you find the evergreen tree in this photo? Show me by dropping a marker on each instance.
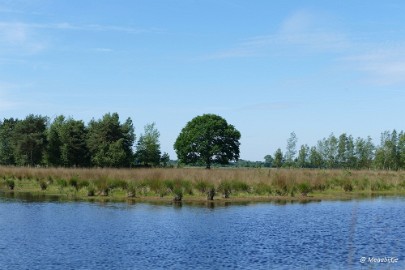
(110, 142)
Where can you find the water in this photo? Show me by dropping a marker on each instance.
(318, 235)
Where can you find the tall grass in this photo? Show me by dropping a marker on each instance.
(182, 182)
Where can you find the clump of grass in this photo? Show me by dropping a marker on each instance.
(131, 190)
(43, 185)
(347, 186)
(10, 184)
(202, 186)
(178, 194)
(91, 190)
(62, 182)
(262, 188)
(240, 186)
(74, 182)
(304, 188)
(225, 187)
(211, 193)
(103, 189)
(157, 186)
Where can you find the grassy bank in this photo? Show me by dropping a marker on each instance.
(194, 184)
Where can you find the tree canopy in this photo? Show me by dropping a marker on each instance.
(148, 147)
(208, 139)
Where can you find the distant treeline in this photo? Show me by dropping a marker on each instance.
(343, 152)
(67, 142)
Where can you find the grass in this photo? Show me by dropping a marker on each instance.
(188, 184)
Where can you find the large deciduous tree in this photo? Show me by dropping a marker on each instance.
(208, 139)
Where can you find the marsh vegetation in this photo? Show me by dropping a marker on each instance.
(199, 184)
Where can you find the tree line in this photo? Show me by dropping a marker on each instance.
(106, 142)
(343, 152)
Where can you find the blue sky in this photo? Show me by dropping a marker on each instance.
(268, 67)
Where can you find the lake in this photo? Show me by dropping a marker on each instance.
(356, 234)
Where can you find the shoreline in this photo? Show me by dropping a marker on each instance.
(39, 196)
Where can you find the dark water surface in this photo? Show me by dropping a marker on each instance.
(317, 235)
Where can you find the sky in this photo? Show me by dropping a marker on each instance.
(268, 67)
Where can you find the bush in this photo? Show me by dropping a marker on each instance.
(239, 186)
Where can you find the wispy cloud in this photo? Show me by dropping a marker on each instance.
(302, 29)
(77, 27)
(382, 67)
(17, 36)
(267, 106)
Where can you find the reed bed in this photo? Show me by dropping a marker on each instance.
(189, 182)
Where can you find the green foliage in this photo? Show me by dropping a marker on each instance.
(10, 184)
(61, 182)
(29, 140)
(202, 186)
(43, 184)
(262, 188)
(6, 141)
(278, 158)
(225, 187)
(164, 159)
(304, 188)
(148, 147)
(291, 150)
(347, 186)
(208, 139)
(109, 142)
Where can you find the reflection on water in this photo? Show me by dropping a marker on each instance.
(50, 234)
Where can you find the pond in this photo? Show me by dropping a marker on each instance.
(356, 234)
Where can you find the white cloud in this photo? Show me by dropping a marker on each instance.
(381, 67)
(303, 29)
